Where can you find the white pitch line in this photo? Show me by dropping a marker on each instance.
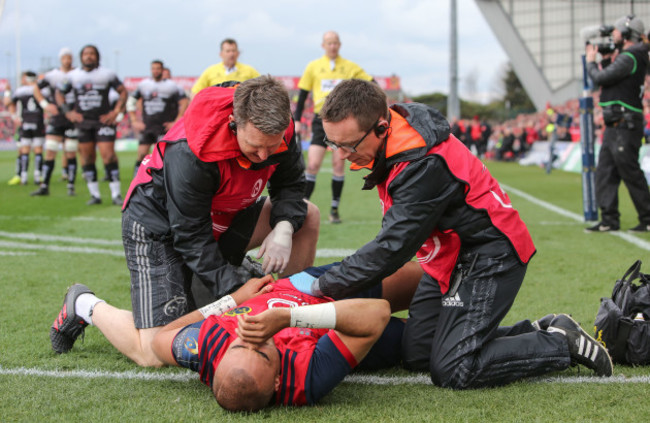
(42, 237)
(416, 379)
(320, 253)
(14, 253)
(73, 218)
(58, 248)
(335, 253)
(638, 242)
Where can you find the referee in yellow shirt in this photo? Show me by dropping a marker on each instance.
(320, 77)
(228, 70)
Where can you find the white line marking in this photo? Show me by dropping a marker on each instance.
(13, 253)
(320, 253)
(638, 242)
(415, 379)
(335, 253)
(558, 223)
(57, 248)
(42, 237)
(80, 218)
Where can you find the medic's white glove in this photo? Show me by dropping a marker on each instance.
(276, 248)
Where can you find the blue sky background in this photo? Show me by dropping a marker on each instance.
(409, 38)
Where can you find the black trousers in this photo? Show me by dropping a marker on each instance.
(458, 338)
(619, 160)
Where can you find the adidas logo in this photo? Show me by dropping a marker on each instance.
(587, 349)
(452, 301)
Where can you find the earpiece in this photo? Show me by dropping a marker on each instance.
(233, 126)
(381, 129)
(627, 32)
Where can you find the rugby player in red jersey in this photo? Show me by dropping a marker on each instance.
(267, 343)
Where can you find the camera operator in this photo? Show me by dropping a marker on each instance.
(621, 78)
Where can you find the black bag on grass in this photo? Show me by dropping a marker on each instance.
(623, 321)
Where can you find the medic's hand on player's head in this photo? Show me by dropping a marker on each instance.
(253, 288)
(257, 329)
(276, 248)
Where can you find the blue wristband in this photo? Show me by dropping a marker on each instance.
(302, 282)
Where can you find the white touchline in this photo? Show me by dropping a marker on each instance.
(334, 253)
(638, 242)
(186, 376)
(92, 219)
(59, 248)
(43, 237)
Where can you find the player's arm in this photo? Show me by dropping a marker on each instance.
(111, 118)
(183, 102)
(358, 322)
(165, 337)
(133, 104)
(182, 106)
(6, 97)
(65, 108)
(300, 107)
(42, 101)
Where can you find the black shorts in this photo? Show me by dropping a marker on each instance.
(151, 135)
(32, 130)
(160, 280)
(317, 132)
(65, 131)
(97, 133)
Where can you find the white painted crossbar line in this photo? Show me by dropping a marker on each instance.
(645, 245)
(416, 379)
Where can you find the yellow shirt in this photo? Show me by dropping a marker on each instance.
(320, 78)
(216, 74)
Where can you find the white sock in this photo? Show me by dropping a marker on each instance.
(115, 188)
(93, 187)
(84, 305)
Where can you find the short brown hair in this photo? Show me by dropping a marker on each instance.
(264, 102)
(363, 100)
(228, 41)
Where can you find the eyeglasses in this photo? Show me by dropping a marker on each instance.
(348, 148)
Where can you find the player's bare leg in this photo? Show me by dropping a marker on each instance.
(118, 328)
(315, 155)
(89, 169)
(107, 151)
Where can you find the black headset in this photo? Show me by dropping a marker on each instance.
(627, 32)
(233, 126)
(380, 130)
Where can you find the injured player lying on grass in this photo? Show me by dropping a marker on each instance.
(267, 343)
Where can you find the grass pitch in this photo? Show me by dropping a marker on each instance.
(46, 244)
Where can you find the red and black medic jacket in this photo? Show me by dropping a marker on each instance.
(437, 198)
(197, 179)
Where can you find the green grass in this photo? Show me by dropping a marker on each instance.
(569, 273)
